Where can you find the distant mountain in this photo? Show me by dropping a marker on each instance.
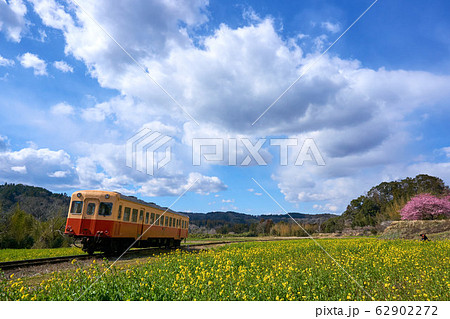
(217, 219)
(37, 201)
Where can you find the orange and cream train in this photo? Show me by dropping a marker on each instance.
(111, 222)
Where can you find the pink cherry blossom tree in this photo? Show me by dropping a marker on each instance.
(426, 206)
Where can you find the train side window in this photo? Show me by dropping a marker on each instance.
(134, 215)
(105, 209)
(77, 207)
(147, 214)
(126, 214)
(166, 221)
(90, 209)
(152, 218)
(158, 220)
(171, 222)
(141, 215)
(120, 212)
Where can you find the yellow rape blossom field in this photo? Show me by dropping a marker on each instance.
(284, 270)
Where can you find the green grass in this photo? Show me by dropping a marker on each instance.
(22, 254)
(281, 270)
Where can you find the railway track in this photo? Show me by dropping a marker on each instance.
(8, 265)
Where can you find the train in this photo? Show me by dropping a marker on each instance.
(111, 222)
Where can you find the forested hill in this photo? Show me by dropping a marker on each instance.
(37, 201)
(384, 202)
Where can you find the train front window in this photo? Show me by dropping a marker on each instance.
(90, 209)
(152, 218)
(126, 214)
(105, 209)
(158, 220)
(134, 215)
(141, 215)
(166, 221)
(77, 207)
(146, 217)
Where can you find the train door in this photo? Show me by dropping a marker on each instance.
(140, 228)
(88, 217)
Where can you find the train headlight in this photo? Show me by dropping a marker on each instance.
(107, 196)
(79, 195)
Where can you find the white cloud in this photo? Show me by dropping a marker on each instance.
(62, 109)
(258, 194)
(19, 169)
(32, 166)
(447, 151)
(114, 174)
(227, 200)
(63, 66)
(102, 166)
(176, 185)
(59, 174)
(4, 143)
(6, 62)
(331, 27)
(357, 116)
(30, 60)
(12, 19)
(326, 208)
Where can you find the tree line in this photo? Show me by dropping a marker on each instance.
(385, 202)
(32, 217)
(22, 230)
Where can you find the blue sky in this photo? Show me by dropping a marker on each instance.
(376, 105)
